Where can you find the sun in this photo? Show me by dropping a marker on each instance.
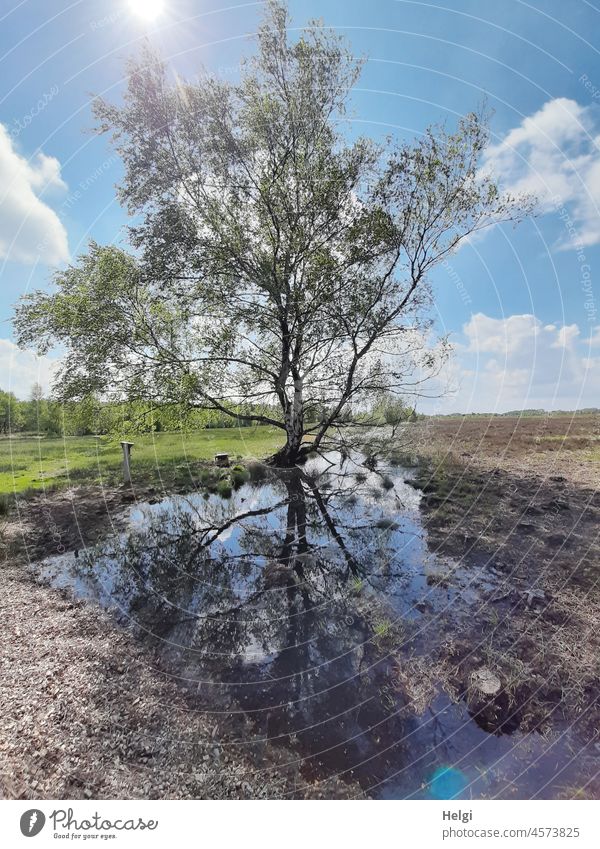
(147, 9)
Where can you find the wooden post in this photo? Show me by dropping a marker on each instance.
(126, 446)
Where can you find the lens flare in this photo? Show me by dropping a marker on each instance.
(147, 9)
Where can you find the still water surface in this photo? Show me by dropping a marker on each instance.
(295, 604)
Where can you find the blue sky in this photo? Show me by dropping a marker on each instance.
(521, 305)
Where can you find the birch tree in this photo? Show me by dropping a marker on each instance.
(279, 267)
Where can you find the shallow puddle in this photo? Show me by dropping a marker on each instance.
(302, 603)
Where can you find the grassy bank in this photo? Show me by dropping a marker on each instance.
(40, 463)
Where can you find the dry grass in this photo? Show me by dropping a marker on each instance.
(565, 445)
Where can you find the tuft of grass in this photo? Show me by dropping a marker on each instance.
(6, 502)
(357, 585)
(382, 628)
(575, 792)
(224, 488)
(239, 476)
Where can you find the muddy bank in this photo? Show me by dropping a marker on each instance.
(51, 523)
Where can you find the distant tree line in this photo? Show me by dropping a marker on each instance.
(90, 415)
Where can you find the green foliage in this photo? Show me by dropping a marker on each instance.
(91, 416)
(239, 476)
(382, 628)
(11, 413)
(389, 410)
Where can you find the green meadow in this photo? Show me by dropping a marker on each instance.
(28, 462)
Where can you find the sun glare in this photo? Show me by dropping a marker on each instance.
(147, 9)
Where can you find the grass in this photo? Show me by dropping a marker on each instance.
(31, 463)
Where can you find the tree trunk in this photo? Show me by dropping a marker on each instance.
(293, 450)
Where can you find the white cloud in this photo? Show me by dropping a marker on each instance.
(21, 369)
(593, 339)
(30, 230)
(566, 336)
(491, 334)
(517, 363)
(555, 155)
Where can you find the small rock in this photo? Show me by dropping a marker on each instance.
(534, 597)
(486, 681)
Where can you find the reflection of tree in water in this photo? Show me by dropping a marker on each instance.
(269, 605)
(260, 593)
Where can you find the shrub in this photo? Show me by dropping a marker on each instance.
(239, 476)
(224, 489)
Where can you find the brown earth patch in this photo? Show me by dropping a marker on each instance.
(530, 516)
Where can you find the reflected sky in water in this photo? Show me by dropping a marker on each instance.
(295, 603)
